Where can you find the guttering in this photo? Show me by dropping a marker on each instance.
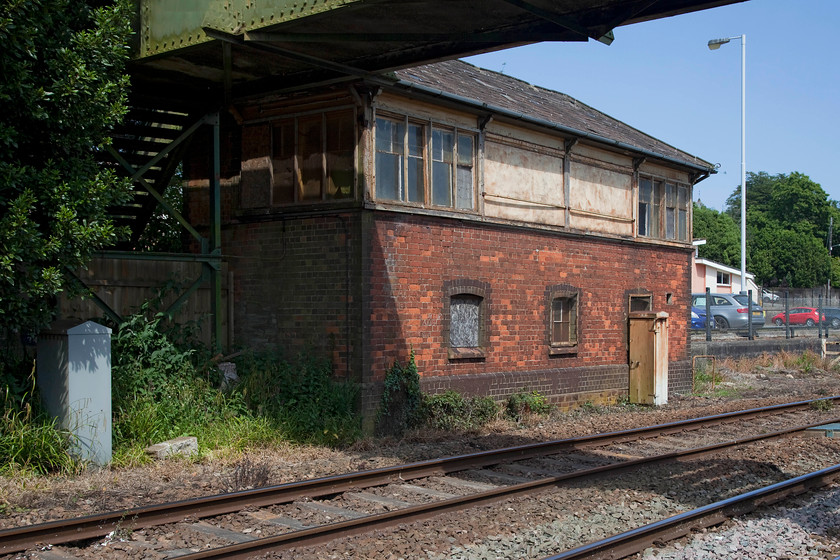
(425, 91)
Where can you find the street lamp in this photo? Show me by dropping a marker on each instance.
(715, 44)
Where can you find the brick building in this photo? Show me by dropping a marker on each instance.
(501, 231)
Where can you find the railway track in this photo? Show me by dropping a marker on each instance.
(316, 511)
(638, 539)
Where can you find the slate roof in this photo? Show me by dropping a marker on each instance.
(495, 90)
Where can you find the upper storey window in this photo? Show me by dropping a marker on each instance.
(663, 210)
(312, 157)
(425, 164)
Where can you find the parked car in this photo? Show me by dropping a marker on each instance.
(807, 316)
(769, 297)
(730, 311)
(698, 318)
(831, 315)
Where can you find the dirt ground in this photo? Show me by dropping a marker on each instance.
(28, 500)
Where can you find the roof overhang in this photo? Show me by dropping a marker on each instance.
(209, 50)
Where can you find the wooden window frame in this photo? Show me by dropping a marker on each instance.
(297, 186)
(555, 293)
(663, 209)
(430, 132)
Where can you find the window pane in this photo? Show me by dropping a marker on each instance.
(416, 184)
(640, 303)
(682, 213)
(442, 156)
(645, 189)
(465, 186)
(310, 157)
(283, 163)
(389, 158)
(655, 209)
(564, 320)
(670, 211)
(341, 132)
(465, 312)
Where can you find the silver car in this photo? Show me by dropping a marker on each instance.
(730, 311)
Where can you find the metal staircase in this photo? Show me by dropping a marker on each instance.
(148, 147)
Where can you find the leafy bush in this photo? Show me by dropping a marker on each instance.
(302, 399)
(158, 393)
(451, 411)
(524, 404)
(401, 399)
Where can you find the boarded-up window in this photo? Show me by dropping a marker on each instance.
(465, 321)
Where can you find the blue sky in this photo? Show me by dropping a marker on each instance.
(661, 78)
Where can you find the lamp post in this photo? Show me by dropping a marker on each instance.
(715, 44)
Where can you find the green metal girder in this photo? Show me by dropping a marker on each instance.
(167, 25)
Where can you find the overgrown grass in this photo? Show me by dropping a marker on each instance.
(805, 362)
(301, 399)
(159, 393)
(31, 441)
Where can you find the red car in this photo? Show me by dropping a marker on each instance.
(799, 316)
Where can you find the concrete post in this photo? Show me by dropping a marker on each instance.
(74, 376)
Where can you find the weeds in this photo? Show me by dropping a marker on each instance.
(401, 403)
(301, 400)
(451, 411)
(248, 474)
(822, 405)
(520, 405)
(29, 439)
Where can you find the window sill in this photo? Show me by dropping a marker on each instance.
(562, 350)
(467, 353)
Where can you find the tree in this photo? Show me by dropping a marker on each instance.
(787, 229)
(63, 89)
(723, 240)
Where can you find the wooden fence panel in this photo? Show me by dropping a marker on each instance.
(126, 284)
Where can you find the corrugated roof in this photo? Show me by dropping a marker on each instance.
(496, 90)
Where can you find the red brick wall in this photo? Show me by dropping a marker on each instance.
(409, 260)
(291, 286)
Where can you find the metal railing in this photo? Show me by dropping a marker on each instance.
(780, 317)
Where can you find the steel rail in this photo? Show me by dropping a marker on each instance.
(326, 533)
(56, 532)
(672, 528)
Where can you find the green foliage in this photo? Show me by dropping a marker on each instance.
(163, 232)
(63, 89)
(823, 405)
(302, 399)
(159, 394)
(451, 411)
(29, 439)
(787, 229)
(807, 361)
(400, 407)
(723, 238)
(524, 404)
